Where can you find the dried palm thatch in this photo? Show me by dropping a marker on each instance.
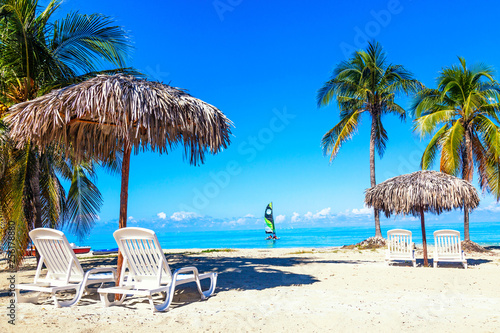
(433, 191)
(419, 192)
(98, 116)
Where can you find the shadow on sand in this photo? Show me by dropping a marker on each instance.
(237, 273)
(234, 273)
(420, 263)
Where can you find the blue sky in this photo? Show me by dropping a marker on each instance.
(261, 63)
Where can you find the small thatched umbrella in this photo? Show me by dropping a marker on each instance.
(109, 114)
(419, 192)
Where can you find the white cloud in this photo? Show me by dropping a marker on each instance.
(249, 215)
(162, 215)
(280, 218)
(325, 212)
(362, 211)
(130, 217)
(233, 223)
(410, 218)
(295, 217)
(180, 216)
(322, 213)
(493, 207)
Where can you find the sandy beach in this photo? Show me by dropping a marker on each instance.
(283, 290)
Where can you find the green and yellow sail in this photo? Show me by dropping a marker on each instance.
(268, 217)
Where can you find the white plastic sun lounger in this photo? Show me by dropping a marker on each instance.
(447, 247)
(400, 246)
(64, 271)
(145, 270)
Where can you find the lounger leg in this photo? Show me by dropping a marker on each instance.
(89, 290)
(465, 264)
(25, 299)
(414, 262)
(169, 295)
(210, 291)
(73, 301)
(435, 264)
(105, 301)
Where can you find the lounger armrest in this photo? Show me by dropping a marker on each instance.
(100, 270)
(189, 269)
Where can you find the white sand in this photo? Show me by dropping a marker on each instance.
(287, 290)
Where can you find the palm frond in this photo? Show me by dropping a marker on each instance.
(82, 41)
(343, 131)
(428, 123)
(451, 148)
(83, 202)
(431, 151)
(490, 134)
(380, 137)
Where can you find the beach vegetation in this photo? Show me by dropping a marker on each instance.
(38, 54)
(461, 117)
(365, 84)
(217, 250)
(302, 252)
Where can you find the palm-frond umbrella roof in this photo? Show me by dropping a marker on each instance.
(433, 191)
(97, 116)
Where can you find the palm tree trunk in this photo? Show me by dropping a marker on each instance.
(467, 173)
(466, 225)
(378, 231)
(424, 238)
(35, 185)
(123, 203)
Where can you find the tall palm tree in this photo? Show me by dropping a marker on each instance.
(463, 115)
(365, 83)
(36, 56)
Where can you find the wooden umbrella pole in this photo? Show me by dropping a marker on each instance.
(127, 149)
(424, 240)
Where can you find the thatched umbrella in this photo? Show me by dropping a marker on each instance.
(109, 114)
(419, 192)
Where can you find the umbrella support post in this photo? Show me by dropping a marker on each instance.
(123, 205)
(424, 240)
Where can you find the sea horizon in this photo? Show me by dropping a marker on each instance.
(483, 233)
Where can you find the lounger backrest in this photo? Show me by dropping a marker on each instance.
(399, 241)
(144, 257)
(57, 254)
(447, 243)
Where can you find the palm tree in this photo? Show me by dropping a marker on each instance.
(36, 56)
(365, 83)
(462, 114)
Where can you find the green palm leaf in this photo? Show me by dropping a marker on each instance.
(84, 41)
(343, 131)
(83, 202)
(432, 148)
(451, 149)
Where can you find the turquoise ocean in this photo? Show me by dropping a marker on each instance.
(484, 233)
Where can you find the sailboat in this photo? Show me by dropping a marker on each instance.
(268, 217)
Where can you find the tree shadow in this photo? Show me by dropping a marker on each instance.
(243, 273)
(234, 273)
